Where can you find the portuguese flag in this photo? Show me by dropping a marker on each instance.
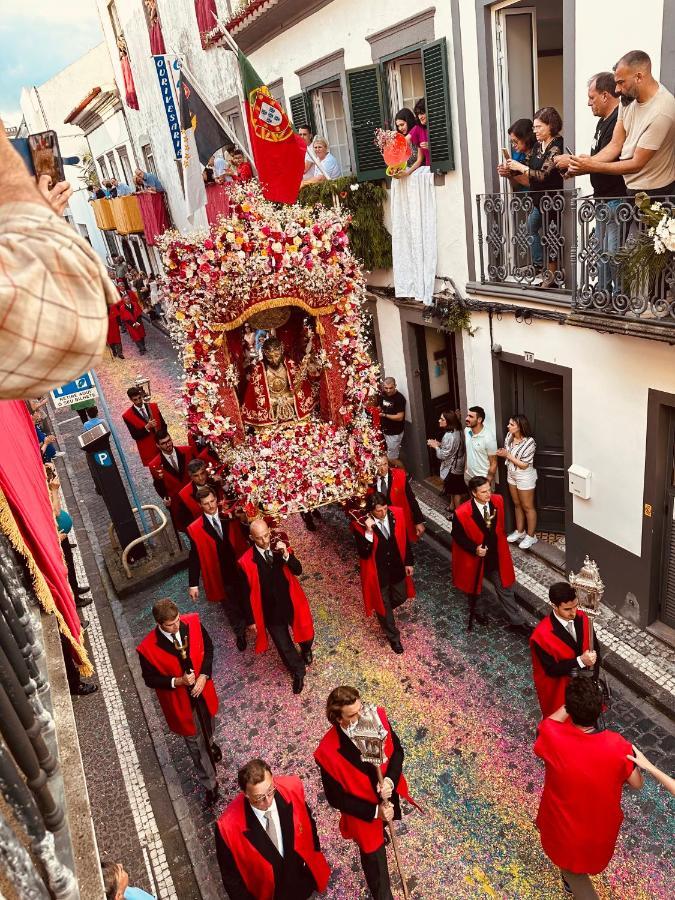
(279, 153)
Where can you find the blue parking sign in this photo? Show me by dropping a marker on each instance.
(82, 388)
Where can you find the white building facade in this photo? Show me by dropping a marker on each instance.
(595, 378)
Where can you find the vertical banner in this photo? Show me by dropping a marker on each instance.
(167, 90)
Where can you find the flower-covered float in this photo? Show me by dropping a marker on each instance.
(267, 312)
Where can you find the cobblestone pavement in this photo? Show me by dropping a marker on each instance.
(462, 704)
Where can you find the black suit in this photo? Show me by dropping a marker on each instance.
(374, 864)
(390, 572)
(293, 879)
(275, 597)
(237, 606)
(179, 472)
(559, 668)
(417, 516)
(157, 680)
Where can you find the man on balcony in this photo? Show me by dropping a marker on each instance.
(607, 188)
(643, 141)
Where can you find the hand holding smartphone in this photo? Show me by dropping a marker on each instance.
(46, 156)
(506, 154)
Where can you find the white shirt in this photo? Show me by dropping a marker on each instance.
(565, 623)
(260, 814)
(482, 508)
(172, 639)
(171, 458)
(378, 524)
(330, 166)
(383, 484)
(219, 166)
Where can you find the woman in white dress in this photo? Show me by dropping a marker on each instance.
(518, 451)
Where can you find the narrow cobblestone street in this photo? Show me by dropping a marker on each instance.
(463, 706)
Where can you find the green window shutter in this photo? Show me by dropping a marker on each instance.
(366, 110)
(301, 111)
(437, 95)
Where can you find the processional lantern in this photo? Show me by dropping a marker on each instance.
(144, 385)
(588, 586)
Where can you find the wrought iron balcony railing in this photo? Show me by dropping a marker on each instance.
(581, 241)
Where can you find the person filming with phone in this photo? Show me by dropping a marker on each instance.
(54, 289)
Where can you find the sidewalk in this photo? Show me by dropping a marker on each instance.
(637, 658)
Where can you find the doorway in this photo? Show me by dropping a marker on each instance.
(667, 604)
(539, 396)
(438, 380)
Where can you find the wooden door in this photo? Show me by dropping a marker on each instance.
(539, 396)
(667, 605)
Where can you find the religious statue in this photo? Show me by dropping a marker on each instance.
(279, 390)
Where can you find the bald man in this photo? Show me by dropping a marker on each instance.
(641, 149)
(392, 417)
(278, 602)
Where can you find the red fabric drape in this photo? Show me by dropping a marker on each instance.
(23, 482)
(217, 202)
(205, 11)
(129, 87)
(156, 39)
(154, 215)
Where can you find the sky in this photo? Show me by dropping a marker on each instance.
(38, 38)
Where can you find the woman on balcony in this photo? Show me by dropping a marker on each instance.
(523, 143)
(543, 178)
(521, 476)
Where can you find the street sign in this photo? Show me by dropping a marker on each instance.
(82, 388)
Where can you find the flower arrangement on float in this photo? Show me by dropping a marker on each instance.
(263, 255)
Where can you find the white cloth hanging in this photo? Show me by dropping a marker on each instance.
(413, 238)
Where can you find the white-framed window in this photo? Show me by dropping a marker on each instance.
(127, 174)
(103, 169)
(405, 80)
(113, 166)
(331, 122)
(148, 159)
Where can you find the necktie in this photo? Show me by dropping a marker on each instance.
(382, 486)
(486, 514)
(384, 528)
(143, 413)
(215, 521)
(272, 829)
(571, 629)
(268, 557)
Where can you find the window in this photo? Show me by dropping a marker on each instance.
(148, 159)
(329, 117)
(127, 174)
(405, 81)
(102, 168)
(113, 166)
(84, 232)
(111, 243)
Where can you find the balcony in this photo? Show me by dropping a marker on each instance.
(257, 21)
(582, 242)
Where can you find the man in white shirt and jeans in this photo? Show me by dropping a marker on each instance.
(481, 447)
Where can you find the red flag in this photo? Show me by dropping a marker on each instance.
(279, 153)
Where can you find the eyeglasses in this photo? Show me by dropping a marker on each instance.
(263, 797)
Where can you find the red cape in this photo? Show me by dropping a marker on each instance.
(114, 336)
(256, 872)
(369, 836)
(465, 565)
(397, 497)
(303, 626)
(370, 583)
(209, 562)
(551, 690)
(147, 446)
(580, 811)
(175, 702)
(133, 318)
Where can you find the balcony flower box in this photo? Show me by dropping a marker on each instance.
(154, 215)
(127, 215)
(103, 214)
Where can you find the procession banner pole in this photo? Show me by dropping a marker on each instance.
(194, 702)
(394, 839)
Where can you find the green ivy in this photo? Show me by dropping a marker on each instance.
(369, 240)
(456, 316)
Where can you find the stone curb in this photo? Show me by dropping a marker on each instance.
(614, 664)
(207, 889)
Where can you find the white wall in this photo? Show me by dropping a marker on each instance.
(612, 375)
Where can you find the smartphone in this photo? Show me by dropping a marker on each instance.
(46, 156)
(567, 150)
(505, 154)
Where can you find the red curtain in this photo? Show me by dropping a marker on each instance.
(217, 203)
(205, 11)
(154, 215)
(129, 87)
(156, 39)
(23, 482)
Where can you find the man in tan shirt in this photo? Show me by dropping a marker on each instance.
(642, 148)
(53, 286)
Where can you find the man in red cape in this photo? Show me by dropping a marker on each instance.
(144, 420)
(386, 562)
(394, 484)
(586, 768)
(278, 602)
(479, 547)
(131, 313)
(213, 558)
(203, 473)
(560, 646)
(176, 659)
(169, 470)
(267, 845)
(114, 338)
(351, 785)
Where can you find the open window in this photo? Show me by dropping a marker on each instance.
(113, 166)
(330, 122)
(149, 159)
(127, 174)
(102, 167)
